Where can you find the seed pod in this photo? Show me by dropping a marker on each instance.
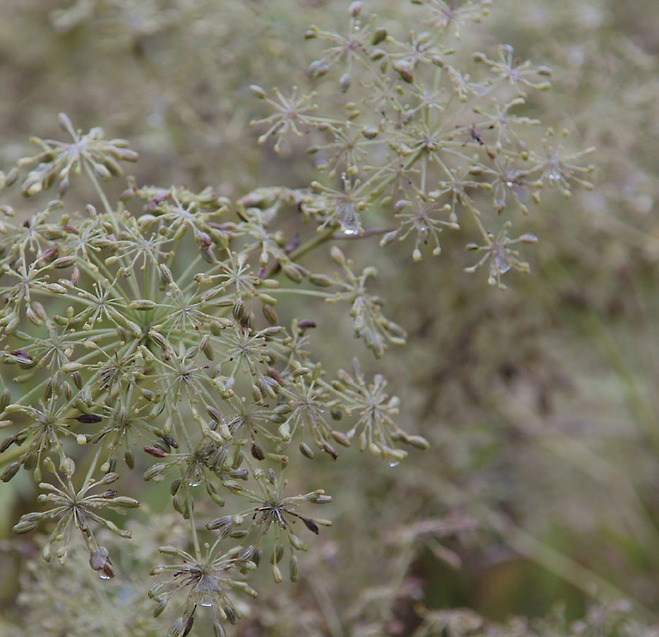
(6, 443)
(142, 305)
(67, 466)
(240, 474)
(213, 494)
(129, 459)
(355, 8)
(27, 523)
(10, 471)
(238, 310)
(49, 254)
(257, 452)
(293, 273)
(88, 418)
(270, 315)
(55, 288)
(23, 358)
(404, 69)
(293, 568)
(64, 262)
(155, 451)
(154, 473)
(29, 461)
(257, 91)
(34, 315)
(306, 451)
(319, 497)
(327, 448)
(169, 440)
(310, 524)
(418, 441)
(321, 280)
(231, 613)
(188, 624)
(285, 431)
(317, 69)
(207, 348)
(5, 398)
(341, 438)
(296, 542)
(338, 255)
(378, 35)
(126, 502)
(344, 82)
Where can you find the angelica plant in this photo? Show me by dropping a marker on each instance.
(143, 335)
(424, 145)
(148, 339)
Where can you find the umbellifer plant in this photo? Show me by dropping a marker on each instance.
(143, 335)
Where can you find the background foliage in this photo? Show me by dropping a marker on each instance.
(533, 511)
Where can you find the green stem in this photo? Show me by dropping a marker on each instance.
(195, 537)
(92, 466)
(313, 243)
(301, 292)
(100, 193)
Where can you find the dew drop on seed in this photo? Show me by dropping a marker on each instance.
(350, 228)
(394, 463)
(349, 219)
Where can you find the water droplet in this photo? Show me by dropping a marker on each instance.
(349, 219)
(394, 463)
(103, 575)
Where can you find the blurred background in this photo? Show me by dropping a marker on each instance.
(539, 496)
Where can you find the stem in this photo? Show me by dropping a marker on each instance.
(301, 292)
(309, 245)
(100, 193)
(195, 538)
(92, 466)
(111, 213)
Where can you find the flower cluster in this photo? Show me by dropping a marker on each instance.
(423, 139)
(144, 337)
